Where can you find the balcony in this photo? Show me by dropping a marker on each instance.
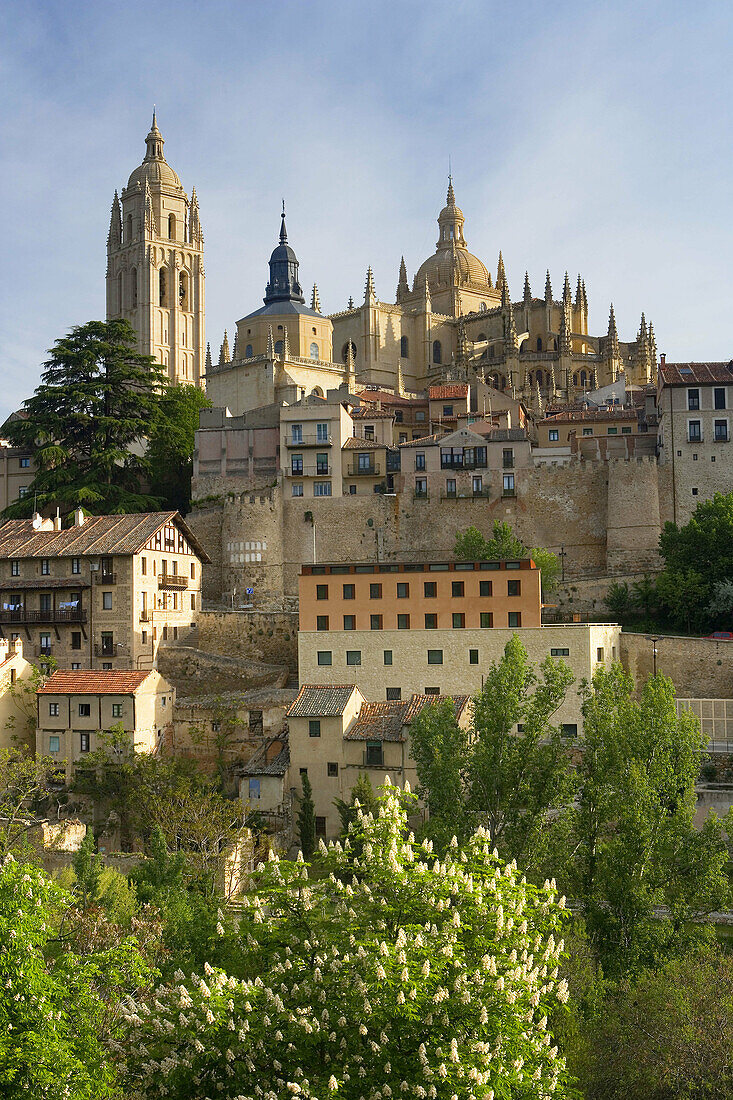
(145, 616)
(310, 441)
(175, 581)
(310, 471)
(102, 650)
(508, 463)
(457, 463)
(420, 494)
(25, 615)
(43, 651)
(102, 577)
(509, 492)
(364, 471)
(476, 494)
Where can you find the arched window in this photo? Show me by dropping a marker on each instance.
(539, 343)
(494, 379)
(555, 344)
(491, 352)
(404, 347)
(531, 378)
(316, 392)
(437, 352)
(172, 227)
(345, 351)
(133, 287)
(120, 302)
(279, 347)
(540, 379)
(162, 288)
(129, 228)
(183, 290)
(248, 352)
(575, 379)
(314, 350)
(583, 378)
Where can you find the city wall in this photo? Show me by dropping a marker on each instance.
(194, 672)
(699, 667)
(271, 637)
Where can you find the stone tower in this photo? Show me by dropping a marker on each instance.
(155, 265)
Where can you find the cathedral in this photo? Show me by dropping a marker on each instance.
(454, 324)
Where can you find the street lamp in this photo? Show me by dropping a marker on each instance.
(653, 639)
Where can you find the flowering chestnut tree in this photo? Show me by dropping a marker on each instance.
(391, 973)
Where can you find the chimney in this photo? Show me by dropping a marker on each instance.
(57, 520)
(78, 517)
(663, 359)
(37, 521)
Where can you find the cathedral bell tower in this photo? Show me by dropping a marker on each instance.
(155, 265)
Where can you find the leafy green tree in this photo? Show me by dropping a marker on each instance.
(307, 819)
(685, 597)
(57, 1011)
(27, 787)
(636, 848)
(472, 546)
(170, 448)
(549, 564)
(618, 600)
(397, 974)
(720, 608)
(645, 595)
(87, 422)
(88, 869)
(504, 543)
(697, 557)
(439, 747)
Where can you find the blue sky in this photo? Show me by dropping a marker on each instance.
(590, 137)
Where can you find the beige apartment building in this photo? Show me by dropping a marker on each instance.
(336, 735)
(103, 593)
(312, 434)
(75, 708)
(17, 471)
(465, 464)
(694, 402)
(15, 727)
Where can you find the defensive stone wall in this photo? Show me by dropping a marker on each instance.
(585, 596)
(271, 637)
(699, 667)
(194, 672)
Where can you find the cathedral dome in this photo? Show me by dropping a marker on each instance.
(451, 253)
(155, 168)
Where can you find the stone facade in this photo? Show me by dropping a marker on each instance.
(698, 667)
(270, 637)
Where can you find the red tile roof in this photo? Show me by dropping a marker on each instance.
(440, 393)
(121, 534)
(320, 701)
(362, 413)
(356, 443)
(683, 374)
(88, 681)
(386, 721)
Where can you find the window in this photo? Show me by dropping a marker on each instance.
(613, 431)
(15, 568)
(321, 622)
(325, 657)
(403, 590)
(473, 656)
(450, 487)
(447, 410)
(419, 415)
(513, 588)
(431, 622)
(485, 588)
(507, 459)
(435, 656)
(430, 589)
(45, 644)
(314, 350)
(554, 435)
(298, 489)
(108, 646)
(721, 431)
(626, 431)
(85, 710)
(321, 591)
(162, 301)
(45, 567)
(403, 622)
(487, 618)
(314, 727)
(54, 744)
(248, 355)
(508, 485)
(404, 347)
(106, 666)
(437, 352)
(459, 620)
(332, 769)
(25, 462)
(349, 592)
(375, 591)
(76, 639)
(296, 465)
(587, 431)
(254, 789)
(398, 416)
(718, 400)
(322, 464)
(76, 565)
(321, 488)
(599, 653)
(117, 710)
(374, 754)
(421, 487)
(457, 588)
(694, 492)
(349, 622)
(296, 433)
(559, 651)
(107, 601)
(353, 656)
(394, 694)
(279, 347)
(388, 656)
(694, 432)
(375, 622)
(320, 826)
(570, 729)
(76, 665)
(515, 618)
(693, 399)
(432, 691)
(53, 710)
(84, 742)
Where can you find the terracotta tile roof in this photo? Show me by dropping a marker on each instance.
(387, 721)
(426, 441)
(362, 413)
(440, 393)
(613, 413)
(125, 534)
(258, 763)
(89, 681)
(319, 701)
(682, 374)
(355, 443)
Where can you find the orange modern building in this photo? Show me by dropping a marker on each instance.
(420, 595)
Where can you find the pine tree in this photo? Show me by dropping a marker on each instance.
(87, 868)
(307, 820)
(98, 401)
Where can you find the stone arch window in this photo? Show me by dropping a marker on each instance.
(540, 378)
(316, 392)
(248, 352)
(494, 379)
(345, 351)
(172, 227)
(183, 290)
(129, 229)
(583, 378)
(162, 287)
(279, 347)
(313, 352)
(575, 379)
(133, 287)
(555, 344)
(437, 352)
(120, 302)
(539, 343)
(404, 347)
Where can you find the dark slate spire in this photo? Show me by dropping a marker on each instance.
(283, 285)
